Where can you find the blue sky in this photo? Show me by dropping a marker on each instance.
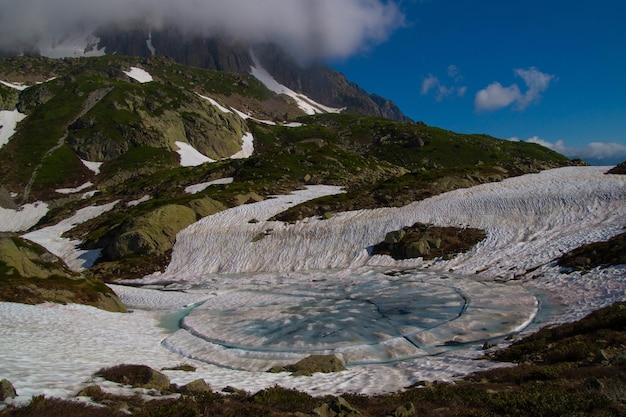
(550, 71)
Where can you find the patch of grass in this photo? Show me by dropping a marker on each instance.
(60, 169)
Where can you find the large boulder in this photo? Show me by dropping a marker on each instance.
(428, 241)
(7, 390)
(139, 376)
(312, 364)
(338, 407)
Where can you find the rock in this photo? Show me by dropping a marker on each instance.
(339, 407)
(139, 376)
(6, 201)
(197, 386)
(7, 390)
(620, 169)
(34, 275)
(92, 391)
(312, 364)
(418, 249)
(406, 410)
(30, 260)
(394, 236)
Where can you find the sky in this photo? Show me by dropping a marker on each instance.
(550, 71)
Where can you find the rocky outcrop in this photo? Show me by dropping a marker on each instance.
(318, 82)
(8, 98)
(197, 386)
(30, 274)
(338, 407)
(7, 390)
(312, 364)
(154, 233)
(428, 242)
(160, 119)
(591, 255)
(139, 376)
(620, 169)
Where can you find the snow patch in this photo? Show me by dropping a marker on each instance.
(66, 249)
(149, 44)
(196, 188)
(138, 201)
(247, 149)
(190, 156)
(92, 166)
(215, 103)
(8, 123)
(306, 104)
(16, 86)
(139, 74)
(78, 189)
(23, 218)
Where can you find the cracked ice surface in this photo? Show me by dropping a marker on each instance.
(364, 317)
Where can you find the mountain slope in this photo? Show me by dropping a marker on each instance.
(316, 81)
(121, 130)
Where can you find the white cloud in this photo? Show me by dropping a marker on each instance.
(429, 83)
(495, 96)
(319, 28)
(608, 152)
(432, 83)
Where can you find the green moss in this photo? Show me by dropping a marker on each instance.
(60, 168)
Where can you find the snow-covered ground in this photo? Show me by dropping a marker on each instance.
(196, 188)
(15, 86)
(50, 238)
(8, 122)
(190, 156)
(245, 303)
(139, 74)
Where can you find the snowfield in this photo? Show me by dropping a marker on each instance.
(242, 295)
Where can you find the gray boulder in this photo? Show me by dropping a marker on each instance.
(7, 390)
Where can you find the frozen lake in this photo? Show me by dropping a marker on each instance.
(368, 316)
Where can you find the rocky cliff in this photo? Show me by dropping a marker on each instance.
(319, 82)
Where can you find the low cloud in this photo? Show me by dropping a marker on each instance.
(432, 84)
(315, 28)
(595, 152)
(495, 96)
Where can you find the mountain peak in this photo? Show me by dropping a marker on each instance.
(318, 82)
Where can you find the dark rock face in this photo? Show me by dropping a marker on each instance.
(321, 83)
(620, 169)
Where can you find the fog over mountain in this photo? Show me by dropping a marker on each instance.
(309, 28)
